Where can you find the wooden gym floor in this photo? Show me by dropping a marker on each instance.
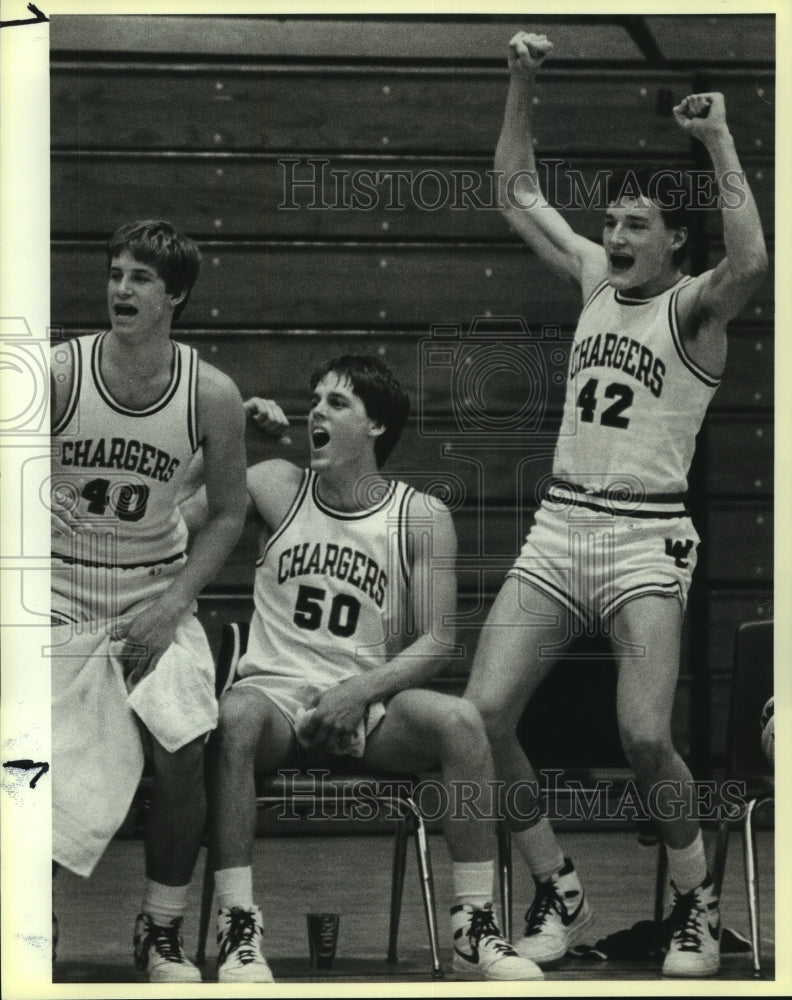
(350, 875)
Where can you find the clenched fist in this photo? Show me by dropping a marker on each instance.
(701, 114)
(528, 51)
(268, 416)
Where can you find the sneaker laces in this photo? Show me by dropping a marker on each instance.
(482, 925)
(685, 919)
(241, 935)
(167, 942)
(546, 899)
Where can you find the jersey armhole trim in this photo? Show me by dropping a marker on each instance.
(598, 290)
(404, 523)
(74, 395)
(192, 400)
(676, 336)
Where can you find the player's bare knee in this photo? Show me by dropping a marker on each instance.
(461, 724)
(647, 755)
(494, 717)
(240, 722)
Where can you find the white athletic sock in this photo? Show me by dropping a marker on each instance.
(687, 866)
(234, 887)
(473, 882)
(164, 902)
(539, 847)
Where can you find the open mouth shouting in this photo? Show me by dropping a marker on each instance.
(620, 262)
(319, 438)
(121, 309)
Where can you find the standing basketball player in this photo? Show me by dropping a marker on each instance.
(612, 541)
(354, 593)
(131, 666)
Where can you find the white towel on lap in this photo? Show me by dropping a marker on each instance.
(97, 751)
(176, 701)
(97, 754)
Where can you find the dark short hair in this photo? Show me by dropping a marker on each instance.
(382, 394)
(174, 256)
(670, 188)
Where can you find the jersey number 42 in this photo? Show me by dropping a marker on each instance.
(613, 416)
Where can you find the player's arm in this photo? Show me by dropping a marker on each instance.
(270, 418)
(272, 487)
(430, 630)
(521, 199)
(719, 295)
(221, 421)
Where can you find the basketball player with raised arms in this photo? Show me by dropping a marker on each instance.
(132, 670)
(354, 593)
(648, 354)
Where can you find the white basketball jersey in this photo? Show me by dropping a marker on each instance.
(635, 400)
(330, 589)
(116, 472)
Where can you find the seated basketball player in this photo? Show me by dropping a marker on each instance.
(132, 670)
(648, 354)
(354, 592)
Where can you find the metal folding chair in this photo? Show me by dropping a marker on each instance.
(302, 793)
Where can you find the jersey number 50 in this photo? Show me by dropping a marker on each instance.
(309, 610)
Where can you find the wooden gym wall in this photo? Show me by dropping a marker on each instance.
(334, 172)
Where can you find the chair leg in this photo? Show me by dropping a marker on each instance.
(749, 854)
(661, 877)
(427, 887)
(397, 885)
(505, 877)
(721, 851)
(207, 895)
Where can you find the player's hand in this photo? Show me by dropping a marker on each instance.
(146, 636)
(267, 415)
(701, 114)
(527, 52)
(336, 716)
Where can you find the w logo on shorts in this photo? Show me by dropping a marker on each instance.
(679, 551)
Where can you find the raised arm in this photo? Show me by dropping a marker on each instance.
(520, 195)
(719, 295)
